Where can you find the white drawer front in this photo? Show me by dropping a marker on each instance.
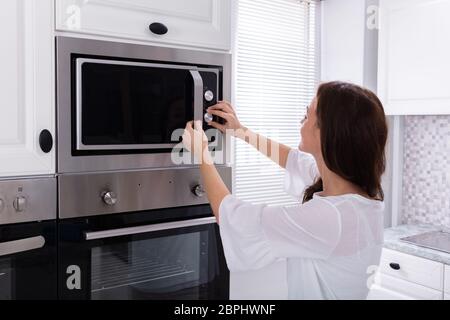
(446, 296)
(380, 293)
(414, 269)
(447, 279)
(200, 23)
(388, 288)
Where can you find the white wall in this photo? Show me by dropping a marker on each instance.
(350, 53)
(343, 26)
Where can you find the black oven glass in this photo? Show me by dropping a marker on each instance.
(6, 279)
(178, 263)
(161, 268)
(125, 104)
(28, 274)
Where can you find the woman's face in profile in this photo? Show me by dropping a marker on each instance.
(310, 132)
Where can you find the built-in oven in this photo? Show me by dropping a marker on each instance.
(28, 254)
(124, 106)
(139, 235)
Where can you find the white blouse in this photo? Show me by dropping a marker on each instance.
(329, 242)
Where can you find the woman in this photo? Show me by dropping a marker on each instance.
(336, 234)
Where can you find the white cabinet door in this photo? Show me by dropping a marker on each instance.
(26, 86)
(414, 56)
(201, 23)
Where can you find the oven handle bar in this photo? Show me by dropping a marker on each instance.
(22, 245)
(198, 95)
(106, 234)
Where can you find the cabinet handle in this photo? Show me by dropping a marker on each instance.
(46, 141)
(158, 28)
(394, 266)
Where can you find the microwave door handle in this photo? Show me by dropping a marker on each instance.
(198, 95)
(106, 234)
(22, 245)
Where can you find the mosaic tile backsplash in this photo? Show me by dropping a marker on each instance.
(426, 170)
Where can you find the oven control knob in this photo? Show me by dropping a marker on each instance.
(109, 198)
(2, 205)
(199, 191)
(208, 118)
(209, 95)
(20, 204)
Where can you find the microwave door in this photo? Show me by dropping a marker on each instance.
(124, 105)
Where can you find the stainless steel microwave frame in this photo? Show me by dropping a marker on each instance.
(124, 54)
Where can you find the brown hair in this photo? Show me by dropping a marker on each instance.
(353, 133)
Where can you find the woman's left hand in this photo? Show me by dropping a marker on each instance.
(195, 139)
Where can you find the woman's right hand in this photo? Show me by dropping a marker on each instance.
(225, 111)
(233, 127)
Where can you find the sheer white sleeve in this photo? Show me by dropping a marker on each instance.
(301, 171)
(254, 236)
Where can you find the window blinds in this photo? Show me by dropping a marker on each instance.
(276, 77)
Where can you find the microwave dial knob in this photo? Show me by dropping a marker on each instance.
(208, 118)
(20, 204)
(199, 191)
(109, 198)
(209, 96)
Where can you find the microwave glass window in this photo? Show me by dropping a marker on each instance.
(124, 104)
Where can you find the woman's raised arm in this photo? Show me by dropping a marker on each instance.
(275, 151)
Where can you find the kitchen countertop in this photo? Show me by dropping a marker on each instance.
(392, 241)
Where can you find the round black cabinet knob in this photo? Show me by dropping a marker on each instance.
(394, 266)
(158, 28)
(46, 141)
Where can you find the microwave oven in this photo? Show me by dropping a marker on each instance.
(124, 106)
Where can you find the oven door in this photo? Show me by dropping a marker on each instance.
(171, 260)
(132, 105)
(28, 261)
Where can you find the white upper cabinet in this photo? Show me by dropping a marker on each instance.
(200, 23)
(414, 53)
(26, 87)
